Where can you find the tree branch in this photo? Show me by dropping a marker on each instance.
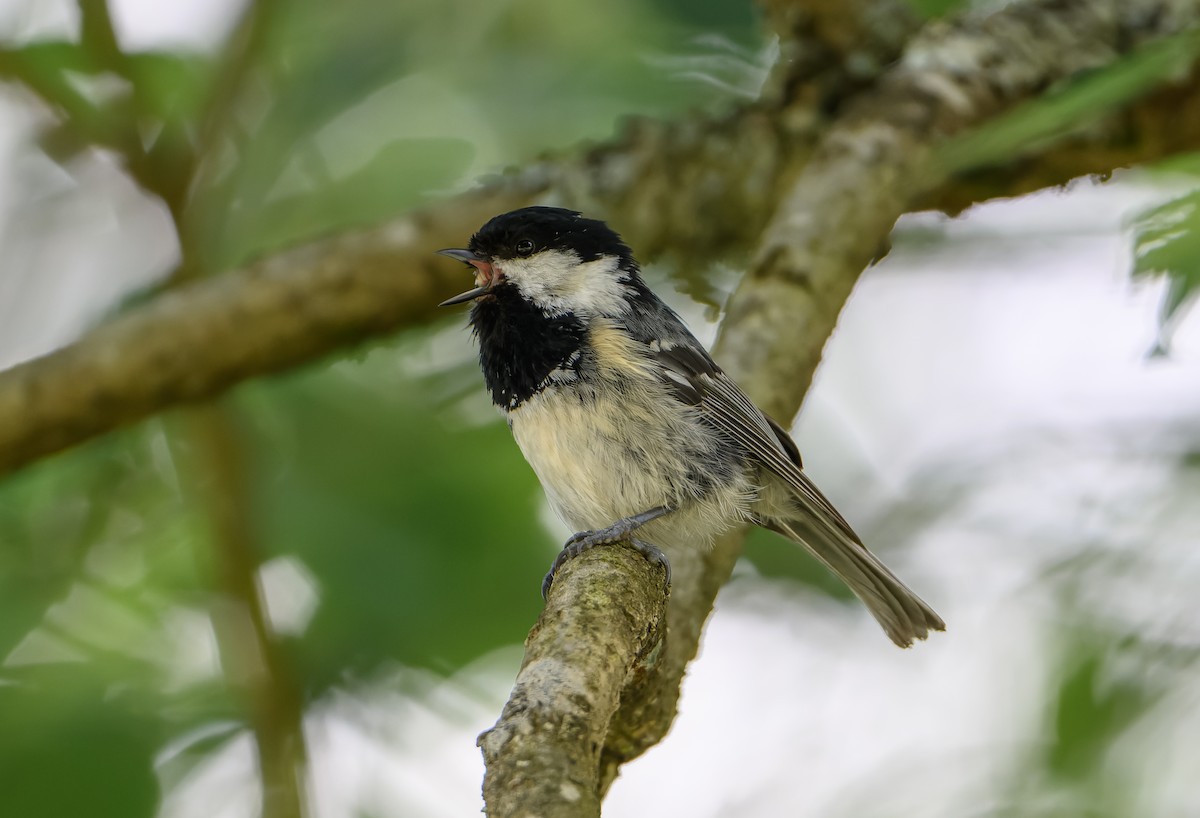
(195, 342)
(711, 199)
(879, 159)
(831, 49)
(872, 166)
(601, 632)
(251, 655)
(1164, 123)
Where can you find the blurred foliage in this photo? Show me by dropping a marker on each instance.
(1167, 245)
(1090, 710)
(354, 93)
(930, 9)
(773, 556)
(406, 517)
(1072, 107)
(80, 750)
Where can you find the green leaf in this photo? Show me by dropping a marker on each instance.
(1167, 244)
(170, 87)
(47, 68)
(1093, 707)
(1087, 97)
(422, 535)
(74, 747)
(932, 9)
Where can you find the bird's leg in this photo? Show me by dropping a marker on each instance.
(617, 532)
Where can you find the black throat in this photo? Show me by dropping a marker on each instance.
(520, 345)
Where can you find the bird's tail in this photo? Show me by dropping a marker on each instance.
(903, 615)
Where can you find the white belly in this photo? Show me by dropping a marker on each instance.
(593, 468)
(599, 462)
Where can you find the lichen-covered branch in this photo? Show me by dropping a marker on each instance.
(878, 160)
(872, 166)
(698, 189)
(601, 632)
(1163, 123)
(830, 49)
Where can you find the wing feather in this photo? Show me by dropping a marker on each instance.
(731, 411)
(692, 376)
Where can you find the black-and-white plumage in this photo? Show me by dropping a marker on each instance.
(628, 422)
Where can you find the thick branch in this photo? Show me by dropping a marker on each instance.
(871, 167)
(601, 631)
(711, 198)
(1163, 123)
(876, 162)
(830, 49)
(195, 342)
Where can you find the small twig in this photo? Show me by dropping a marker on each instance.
(250, 651)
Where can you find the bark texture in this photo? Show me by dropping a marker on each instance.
(602, 632)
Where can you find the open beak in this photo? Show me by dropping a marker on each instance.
(485, 275)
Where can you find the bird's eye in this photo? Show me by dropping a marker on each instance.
(524, 247)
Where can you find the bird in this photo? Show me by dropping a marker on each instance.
(634, 432)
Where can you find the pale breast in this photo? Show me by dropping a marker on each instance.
(608, 440)
(599, 461)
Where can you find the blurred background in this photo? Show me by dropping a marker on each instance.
(297, 603)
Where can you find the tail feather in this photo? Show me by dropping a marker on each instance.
(903, 615)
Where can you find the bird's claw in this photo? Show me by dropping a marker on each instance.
(586, 540)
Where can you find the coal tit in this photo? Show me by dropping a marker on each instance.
(634, 432)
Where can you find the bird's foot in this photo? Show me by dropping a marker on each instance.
(617, 532)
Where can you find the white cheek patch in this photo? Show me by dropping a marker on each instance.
(558, 282)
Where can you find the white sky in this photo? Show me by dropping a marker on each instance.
(140, 24)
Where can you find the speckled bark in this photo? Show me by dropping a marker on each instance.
(601, 631)
(873, 165)
(877, 161)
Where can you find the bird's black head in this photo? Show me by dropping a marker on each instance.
(559, 261)
(529, 231)
(542, 274)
